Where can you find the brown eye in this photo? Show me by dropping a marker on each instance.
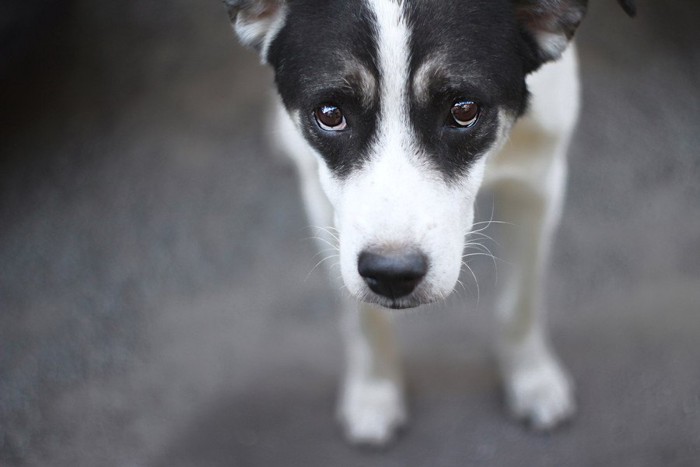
(465, 113)
(330, 118)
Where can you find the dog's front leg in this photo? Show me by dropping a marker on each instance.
(528, 178)
(537, 387)
(371, 405)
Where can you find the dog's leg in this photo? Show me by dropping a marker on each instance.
(371, 405)
(537, 388)
(528, 178)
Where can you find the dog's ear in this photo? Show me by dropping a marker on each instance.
(549, 25)
(255, 21)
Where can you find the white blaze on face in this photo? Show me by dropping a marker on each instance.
(397, 199)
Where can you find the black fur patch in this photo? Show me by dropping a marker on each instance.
(482, 58)
(310, 56)
(485, 56)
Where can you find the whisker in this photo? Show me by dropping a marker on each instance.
(323, 260)
(477, 246)
(476, 282)
(464, 289)
(484, 250)
(488, 253)
(478, 253)
(489, 222)
(324, 251)
(328, 231)
(317, 231)
(323, 240)
(484, 236)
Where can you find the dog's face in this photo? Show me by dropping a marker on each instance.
(402, 103)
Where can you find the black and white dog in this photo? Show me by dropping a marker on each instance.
(396, 112)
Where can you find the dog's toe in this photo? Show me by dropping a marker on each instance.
(372, 411)
(541, 395)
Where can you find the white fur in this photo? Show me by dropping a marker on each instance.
(528, 178)
(260, 26)
(396, 198)
(552, 44)
(371, 405)
(423, 75)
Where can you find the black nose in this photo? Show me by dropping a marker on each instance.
(392, 275)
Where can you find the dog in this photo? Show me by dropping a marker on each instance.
(396, 112)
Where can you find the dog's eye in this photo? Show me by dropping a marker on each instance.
(464, 113)
(330, 118)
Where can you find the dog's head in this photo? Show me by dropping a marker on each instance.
(402, 102)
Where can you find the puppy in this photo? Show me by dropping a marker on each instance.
(396, 112)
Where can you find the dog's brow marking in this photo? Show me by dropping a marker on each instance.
(434, 72)
(421, 79)
(360, 80)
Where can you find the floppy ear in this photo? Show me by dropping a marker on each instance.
(256, 21)
(549, 25)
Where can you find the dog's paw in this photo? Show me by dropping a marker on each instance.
(371, 411)
(542, 395)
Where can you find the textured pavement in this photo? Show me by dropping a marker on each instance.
(159, 304)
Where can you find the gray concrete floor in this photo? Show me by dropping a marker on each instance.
(157, 300)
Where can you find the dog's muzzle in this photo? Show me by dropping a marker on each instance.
(393, 275)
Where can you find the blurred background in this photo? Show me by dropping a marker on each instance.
(159, 304)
